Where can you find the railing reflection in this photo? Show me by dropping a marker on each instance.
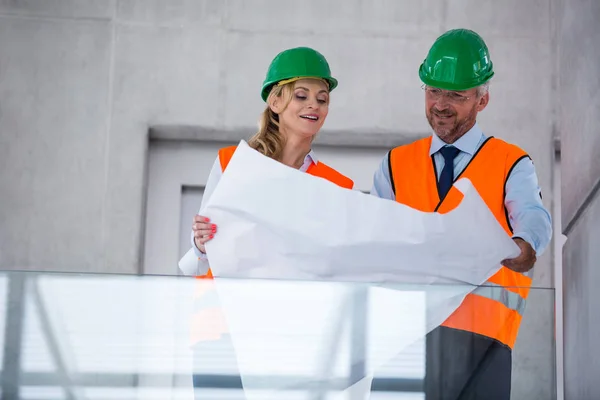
(80, 336)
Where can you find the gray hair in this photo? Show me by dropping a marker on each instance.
(483, 89)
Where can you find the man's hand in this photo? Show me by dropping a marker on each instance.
(525, 261)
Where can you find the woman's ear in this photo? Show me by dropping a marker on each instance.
(274, 103)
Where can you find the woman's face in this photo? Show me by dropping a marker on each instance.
(306, 112)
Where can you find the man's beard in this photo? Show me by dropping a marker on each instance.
(451, 133)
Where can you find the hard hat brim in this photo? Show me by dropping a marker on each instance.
(458, 86)
(267, 86)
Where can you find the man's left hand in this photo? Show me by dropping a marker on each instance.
(525, 261)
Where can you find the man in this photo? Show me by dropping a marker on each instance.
(469, 355)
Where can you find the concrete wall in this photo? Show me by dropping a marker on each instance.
(82, 81)
(579, 126)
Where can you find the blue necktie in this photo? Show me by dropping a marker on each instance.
(447, 175)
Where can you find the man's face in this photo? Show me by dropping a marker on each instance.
(452, 113)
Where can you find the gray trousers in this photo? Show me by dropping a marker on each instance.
(462, 365)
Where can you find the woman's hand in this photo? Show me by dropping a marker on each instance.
(203, 231)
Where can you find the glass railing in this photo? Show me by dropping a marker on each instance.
(91, 336)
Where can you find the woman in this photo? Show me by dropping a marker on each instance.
(296, 90)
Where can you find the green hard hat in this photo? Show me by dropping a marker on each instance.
(458, 60)
(297, 63)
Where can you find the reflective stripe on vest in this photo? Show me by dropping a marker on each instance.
(495, 309)
(509, 299)
(208, 321)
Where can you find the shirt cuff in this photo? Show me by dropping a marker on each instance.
(198, 253)
(192, 265)
(526, 237)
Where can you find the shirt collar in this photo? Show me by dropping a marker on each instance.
(311, 157)
(467, 143)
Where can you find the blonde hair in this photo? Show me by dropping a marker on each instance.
(268, 140)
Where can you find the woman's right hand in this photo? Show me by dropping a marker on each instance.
(203, 231)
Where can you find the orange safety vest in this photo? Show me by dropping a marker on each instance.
(208, 322)
(496, 308)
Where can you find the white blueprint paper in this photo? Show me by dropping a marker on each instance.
(279, 223)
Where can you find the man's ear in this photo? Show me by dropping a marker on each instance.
(483, 102)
